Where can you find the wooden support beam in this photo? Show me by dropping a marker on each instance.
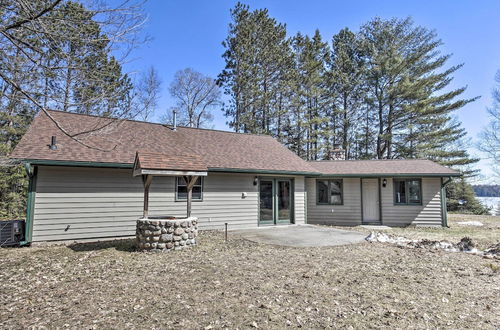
(146, 180)
(190, 181)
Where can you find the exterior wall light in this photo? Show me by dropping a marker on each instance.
(255, 181)
(384, 183)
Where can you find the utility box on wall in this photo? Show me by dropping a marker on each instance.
(11, 232)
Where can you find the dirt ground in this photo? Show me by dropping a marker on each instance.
(240, 284)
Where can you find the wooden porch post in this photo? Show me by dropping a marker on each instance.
(190, 181)
(146, 180)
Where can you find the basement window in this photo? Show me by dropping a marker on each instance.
(181, 189)
(329, 192)
(408, 191)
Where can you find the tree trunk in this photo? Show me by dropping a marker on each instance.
(67, 88)
(388, 139)
(345, 132)
(380, 130)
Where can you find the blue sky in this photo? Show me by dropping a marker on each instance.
(189, 34)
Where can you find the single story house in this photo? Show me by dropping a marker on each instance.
(85, 188)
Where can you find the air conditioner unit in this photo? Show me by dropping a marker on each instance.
(11, 232)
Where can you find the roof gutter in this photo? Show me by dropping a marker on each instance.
(131, 165)
(257, 171)
(239, 170)
(77, 163)
(396, 175)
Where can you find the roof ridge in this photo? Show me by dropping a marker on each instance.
(160, 124)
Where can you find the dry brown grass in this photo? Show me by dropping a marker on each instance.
(241, 284)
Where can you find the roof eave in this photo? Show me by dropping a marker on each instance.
(156, 172)
(261, 171)
(131, 165)
(49, 162)
(378, 175)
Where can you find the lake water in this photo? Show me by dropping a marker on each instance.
(493, 202)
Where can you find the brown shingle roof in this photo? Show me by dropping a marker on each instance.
(176, 162)
(421, 167)
(117, 141)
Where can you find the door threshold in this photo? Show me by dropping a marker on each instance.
(275, 224)
(375, 226)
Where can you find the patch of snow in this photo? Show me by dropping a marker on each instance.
(470, 223)
(465, 244)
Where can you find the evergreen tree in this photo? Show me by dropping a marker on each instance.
(90, 80)
(256, 56)
(346, 89)
(15, 117)
(462, 199)
(405, 79)
(55, 55)
(310, 55)
(16, 113)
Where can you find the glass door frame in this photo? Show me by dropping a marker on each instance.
(276, 220)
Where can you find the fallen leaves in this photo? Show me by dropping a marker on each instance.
(240, 284)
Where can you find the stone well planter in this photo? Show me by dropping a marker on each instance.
(167, 233)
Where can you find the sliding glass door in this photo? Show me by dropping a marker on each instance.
(275, 201)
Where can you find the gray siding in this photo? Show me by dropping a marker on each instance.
(348, 214)
(103, 202)
(427, 214)
(300, 200)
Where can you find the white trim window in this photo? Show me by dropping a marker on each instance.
(181, 189)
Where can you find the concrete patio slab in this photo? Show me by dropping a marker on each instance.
(300, 235)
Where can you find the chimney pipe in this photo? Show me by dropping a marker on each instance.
(175, 120)
(53, 145)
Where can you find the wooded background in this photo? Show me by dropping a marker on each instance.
(380, 93)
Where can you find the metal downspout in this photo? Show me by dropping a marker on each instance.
(444, 211)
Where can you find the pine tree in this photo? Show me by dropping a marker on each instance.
(59, 60)
(462, 199)
(256, 56)
(91, 80)
(405, 79)
(16, 113)
(382, 93)
(346, 88)
(14, 121)
(310, 55)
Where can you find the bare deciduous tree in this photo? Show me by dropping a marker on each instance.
(490, 136)
(148, 92)
(196, 96)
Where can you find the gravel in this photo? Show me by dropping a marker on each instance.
(241, 284)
